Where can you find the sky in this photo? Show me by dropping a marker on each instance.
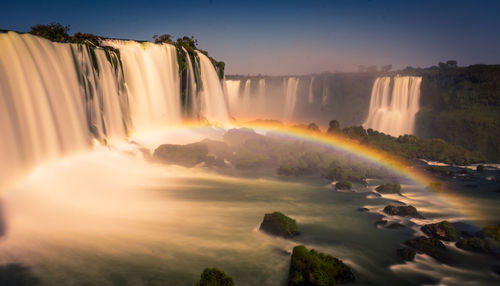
(289, 37)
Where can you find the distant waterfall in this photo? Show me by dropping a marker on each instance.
(57, 98)
(246, 93)
(310, 98)
(262, 95)
(233, 94)
(213, 102)
(290, 88)
(193, 103)
(394, 113)
(324, 96)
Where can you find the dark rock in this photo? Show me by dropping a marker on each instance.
(363, 209)
(389, 188)
(214, 277)
(430, 246)
(279, 224)
(381, 222)
(406, 253)
(395, 225)
(402, 211)
(343, 185)
(315, 268)
(442, 230)
(475, 244)
(184, 155)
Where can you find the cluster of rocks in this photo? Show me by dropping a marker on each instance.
(307, 267)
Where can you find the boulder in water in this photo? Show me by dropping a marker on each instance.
(389, 188)
(279, 224)
(343, 185)
(214, 277)
(441, 230)
(183, 155)
(430, 246)
(406, 253)
(309, 267)
(402, 211)
(475, 244)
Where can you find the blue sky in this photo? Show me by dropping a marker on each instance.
(290, 37)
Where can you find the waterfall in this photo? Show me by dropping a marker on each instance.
(233, 95)
(152, 81)
(191, 88)
(324, 96)
(262, 96)
(58, 98)
(246, 93)
(213, 102)
(290, 88)
(54, 98)
(311, 97)
(394, 113)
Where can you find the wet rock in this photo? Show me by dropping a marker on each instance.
(441, 230)
(396, 225)
(343, 185)
(402, 211)
(309, 267)
(363, 209)
(406, 254)
(389, 188)
(474, 244)
(381, 222)
(430, 246)
(279, 224)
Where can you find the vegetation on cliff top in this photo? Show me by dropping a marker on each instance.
(214, 277)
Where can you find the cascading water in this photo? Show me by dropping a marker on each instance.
(192, 103)
(262, 95)
(246, 93)
(394, 114)
(310, 98)
(290, 88)
(152, 80)
(324, 96)
(213, 102)
(56, 98)
(233, 94)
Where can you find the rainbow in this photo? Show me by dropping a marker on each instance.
(378, 157)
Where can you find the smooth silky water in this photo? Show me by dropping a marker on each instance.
(111, 217)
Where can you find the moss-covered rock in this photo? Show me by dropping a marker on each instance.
(402, 211)
(315, 268)
(441, 230)
(491, 231)
(279, 224)
(430, 246)
(389, 188)
(214, 277)
(343, 185)
(475, 244)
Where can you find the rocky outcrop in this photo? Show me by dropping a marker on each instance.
(389, 188)
(315, 268)
(406, 254)
(442, 230)
(213, 277)
(279, 224)
(430, 246)
(402, 211)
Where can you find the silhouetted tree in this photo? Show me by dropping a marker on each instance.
(53, 31)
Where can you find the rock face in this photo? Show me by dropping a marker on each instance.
(430, 246)
(406, 253)
(315, 268)
(396, 225)
(402, 211)
(442, 230)
(343, 185)
(389, 188)
(279, 224)
(214, 277)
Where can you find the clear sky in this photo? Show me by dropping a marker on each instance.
(289, 37)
